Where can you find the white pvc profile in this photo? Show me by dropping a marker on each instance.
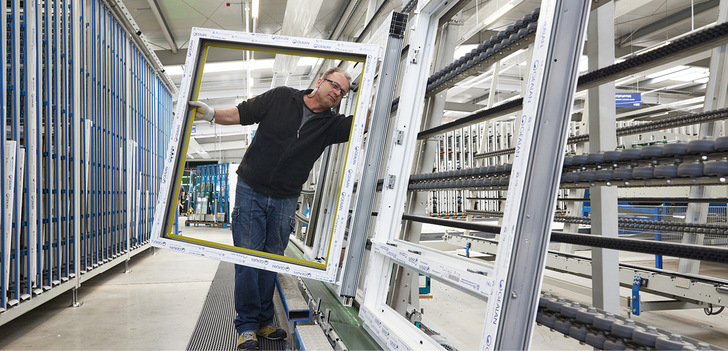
(201, 39)
(388, 327)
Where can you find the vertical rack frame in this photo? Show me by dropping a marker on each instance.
(55, 239)
(388, 326)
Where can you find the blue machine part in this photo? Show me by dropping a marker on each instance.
(636, 285)
(424, 289)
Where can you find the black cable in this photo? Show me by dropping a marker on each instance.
(709, 310)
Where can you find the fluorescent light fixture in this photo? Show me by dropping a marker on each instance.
(625, 80)
(702, 80)
(461, 50)
(666, 71)
(645, 50)
(498, 13)
(239, 65)
(255, 9)
(679, 73)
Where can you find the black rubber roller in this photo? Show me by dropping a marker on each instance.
(701, 147)
(605, 175)
(610, 344)
(717, 168)
(579, 160)
(569, 177)
(645, 172)
(721, 144)
(677, 149)
(522, 33)
(568, 161)
(665, 171)
(630, 155)
(650, 152)
(592, 159)
(623, 173)
(578, 332)
(691, 170)
(612, 156)
(595, 339)
(487, 182)
(587, 176)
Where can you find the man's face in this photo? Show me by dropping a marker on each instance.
(330, 89)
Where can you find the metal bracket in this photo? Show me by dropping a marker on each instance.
(391, 178)
(636, 285)
(399, 138)
(415, 54)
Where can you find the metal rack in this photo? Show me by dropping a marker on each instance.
(487, 155)
(211, 196)
(87, 120)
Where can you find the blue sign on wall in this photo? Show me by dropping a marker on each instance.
(628, 99)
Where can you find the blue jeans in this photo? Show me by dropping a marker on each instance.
(263, 223)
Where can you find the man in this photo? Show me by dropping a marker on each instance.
(294, 128)
(181, 202)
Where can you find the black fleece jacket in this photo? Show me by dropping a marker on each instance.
(281, 155)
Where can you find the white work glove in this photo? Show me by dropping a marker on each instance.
(203, 111)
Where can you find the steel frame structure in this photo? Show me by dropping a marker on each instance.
(559, 38)
(75, 122)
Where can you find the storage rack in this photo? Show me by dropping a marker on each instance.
(212, 196)
(473, 159)
(88, 115)
(188, 183)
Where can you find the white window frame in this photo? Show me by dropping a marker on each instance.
(174, 161)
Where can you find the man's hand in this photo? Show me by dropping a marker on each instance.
(203, 111)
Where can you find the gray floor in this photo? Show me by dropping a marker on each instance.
(156, 306)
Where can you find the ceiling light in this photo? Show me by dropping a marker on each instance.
(498, 13)
(255, 9)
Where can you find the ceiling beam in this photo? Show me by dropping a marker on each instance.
(666, 23)
(163, 25)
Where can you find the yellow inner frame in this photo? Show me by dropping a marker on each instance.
(189, 118)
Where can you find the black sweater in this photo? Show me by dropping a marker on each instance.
(281, 156)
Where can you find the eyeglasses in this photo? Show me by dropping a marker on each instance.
(336, 85)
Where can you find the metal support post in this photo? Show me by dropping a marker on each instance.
(602, 131)
(74, 298)
(405, 290)
(79, 70)
(4, 225)
(368, 181)
(15, 115)
(379, 318)
(535, 176)
(31, 137)
(715, 98)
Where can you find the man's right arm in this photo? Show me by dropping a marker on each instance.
(224, 116)
(227, 116)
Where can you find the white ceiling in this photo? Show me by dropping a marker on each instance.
(638, 24)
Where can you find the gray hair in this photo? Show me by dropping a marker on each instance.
(333, 70)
